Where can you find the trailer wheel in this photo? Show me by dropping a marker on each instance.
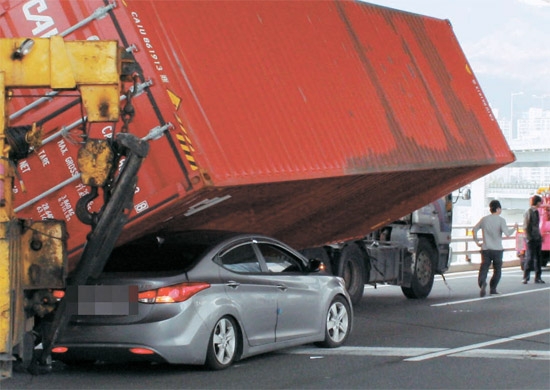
(423, 275)
(351, 268)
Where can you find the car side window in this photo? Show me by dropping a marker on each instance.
(280, 261)
(241, 259)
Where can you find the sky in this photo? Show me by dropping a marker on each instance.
(507, 43)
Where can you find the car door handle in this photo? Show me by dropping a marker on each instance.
(282, 287)
(233, 284)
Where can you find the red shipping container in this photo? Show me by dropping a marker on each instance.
(310, 121)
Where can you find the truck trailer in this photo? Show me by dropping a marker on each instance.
(319, 123)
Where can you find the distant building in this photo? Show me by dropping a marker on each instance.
(514, 184)
(533, 139)
(534, 129)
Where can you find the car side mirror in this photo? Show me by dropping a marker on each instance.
(315, 265)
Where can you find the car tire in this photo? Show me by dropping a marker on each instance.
(352, 269)
(424, 271)
(223, 344)
(337, 324)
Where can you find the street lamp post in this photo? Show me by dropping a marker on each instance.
(512, 133)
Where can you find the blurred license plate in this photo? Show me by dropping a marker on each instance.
(102, 300)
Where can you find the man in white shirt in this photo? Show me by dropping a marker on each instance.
(492, 227)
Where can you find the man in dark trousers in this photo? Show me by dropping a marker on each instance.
(492, 227)
(533, 236)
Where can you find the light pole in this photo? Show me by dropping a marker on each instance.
(542, 97)
(512, 133)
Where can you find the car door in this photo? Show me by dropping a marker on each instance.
(299, 307)
(254, 298)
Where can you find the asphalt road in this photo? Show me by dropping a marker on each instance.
(452, 340)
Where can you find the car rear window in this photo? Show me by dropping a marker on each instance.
(155, 255)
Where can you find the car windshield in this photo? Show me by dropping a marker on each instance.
(156, 254)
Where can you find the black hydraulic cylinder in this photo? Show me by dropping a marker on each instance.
(103, 237)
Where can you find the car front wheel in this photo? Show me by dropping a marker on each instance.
(337, 323)
(222, 347)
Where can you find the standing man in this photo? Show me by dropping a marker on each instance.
(531, 220)
(492, 227)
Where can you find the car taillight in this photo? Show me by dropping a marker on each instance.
(142, 351)
(176, 293)
(58, 294)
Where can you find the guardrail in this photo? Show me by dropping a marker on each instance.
(465, 250)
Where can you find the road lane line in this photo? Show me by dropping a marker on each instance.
(470, 274)
(452, 351)
(490, 297)
(527, 354)
(319, 353)
(362, 351)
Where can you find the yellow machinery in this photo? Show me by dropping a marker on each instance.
(33, 254)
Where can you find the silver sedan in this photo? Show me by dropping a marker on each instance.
(204, 297)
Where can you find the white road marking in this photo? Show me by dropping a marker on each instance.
(490, 297)
(452, 351)
(469, 274)
(527, 354)
(419, 354)
(361, 351)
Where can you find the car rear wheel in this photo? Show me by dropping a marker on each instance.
(337, 324)
(223, 344)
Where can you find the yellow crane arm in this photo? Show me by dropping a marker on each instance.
(32, 254)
